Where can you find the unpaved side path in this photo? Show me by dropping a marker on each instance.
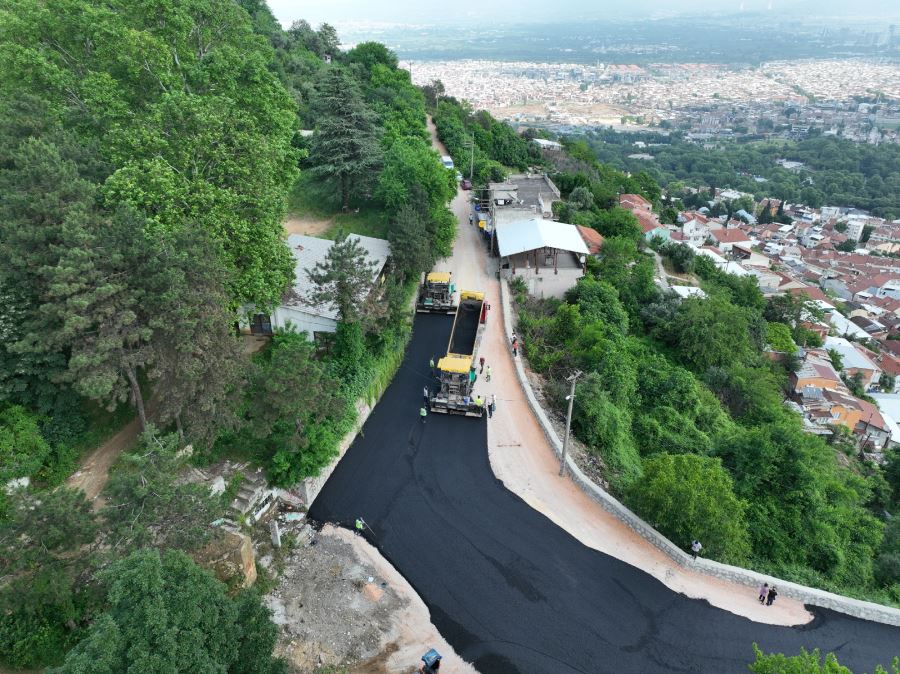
(435, 142)
(91, 477)
(522, 458)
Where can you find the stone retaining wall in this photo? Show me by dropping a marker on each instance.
(808, 595)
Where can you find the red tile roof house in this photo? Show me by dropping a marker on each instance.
(872, 429)
(650, 226)
(890, 364)
(635, 202)
(811, 291)
(726, 238)
(592, 239)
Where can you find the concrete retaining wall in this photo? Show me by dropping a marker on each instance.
(808, 595)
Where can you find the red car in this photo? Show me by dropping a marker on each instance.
(466, 184)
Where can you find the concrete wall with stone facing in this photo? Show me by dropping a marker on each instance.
(808, 595)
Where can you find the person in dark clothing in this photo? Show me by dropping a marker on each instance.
(481, 364)
(771, 596)
(425, 393)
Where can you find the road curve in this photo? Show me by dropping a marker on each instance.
(511, 591)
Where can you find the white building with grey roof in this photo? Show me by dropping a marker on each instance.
(296, 309)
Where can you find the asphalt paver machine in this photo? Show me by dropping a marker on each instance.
(437, 294)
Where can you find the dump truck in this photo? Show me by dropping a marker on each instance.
(436, 294)
(456, 370)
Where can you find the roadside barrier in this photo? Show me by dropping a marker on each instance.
(808, 595)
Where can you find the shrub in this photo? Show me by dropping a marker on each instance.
(691, 497)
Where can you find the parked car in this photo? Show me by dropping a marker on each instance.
(459, 177)
(466, 184)
(447, 161)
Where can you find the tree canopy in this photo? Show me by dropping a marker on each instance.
(690, 497)
(166, 615)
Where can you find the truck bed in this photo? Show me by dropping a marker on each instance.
(465, 329)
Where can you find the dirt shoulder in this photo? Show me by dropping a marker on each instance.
(311, 226)
(340, 604)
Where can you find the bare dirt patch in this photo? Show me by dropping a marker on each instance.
(329, 610)
(340, 604)
(307, 225)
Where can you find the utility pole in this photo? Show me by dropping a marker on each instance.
(571, 398)
(472, 158)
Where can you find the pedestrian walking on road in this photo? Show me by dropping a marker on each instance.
(696, 547)
(490, 409)
(471, 218)
(487, 375)
(472, 375)
(763, 593)
(492, 406)
(481, 363)
(770, 598)
(431, 365)
(423, 413)
(425, 393)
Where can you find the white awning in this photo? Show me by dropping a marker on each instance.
(519, 236)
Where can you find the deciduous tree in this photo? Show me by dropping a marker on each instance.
(411, 250)
(289, 394)
(691, 497)
(165, 614)
(709, 332)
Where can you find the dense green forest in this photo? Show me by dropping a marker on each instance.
(686, 413)
(837, 172)
(496, 146)
(147, 155)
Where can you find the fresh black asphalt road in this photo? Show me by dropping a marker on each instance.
(511, 591)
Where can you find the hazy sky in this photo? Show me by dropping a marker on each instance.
(522, 11)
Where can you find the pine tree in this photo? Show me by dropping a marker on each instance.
(200, 362)
(99, 305)
(42, 191)
(345, 147)
(344, 280)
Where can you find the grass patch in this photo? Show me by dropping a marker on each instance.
(312, 198)
(367, 222)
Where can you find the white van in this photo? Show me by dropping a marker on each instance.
(447, 161)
